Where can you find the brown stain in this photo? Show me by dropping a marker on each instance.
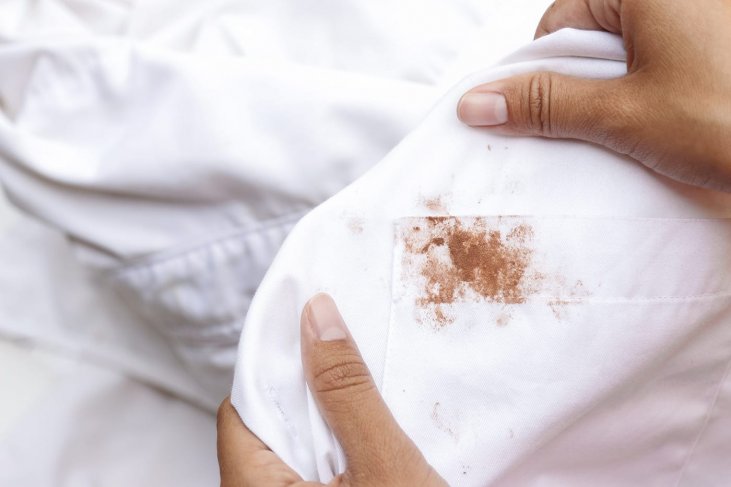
(441, 316)
(437, 204)
(503, 319)
(355, 225)
(462, 260)
(559, 305)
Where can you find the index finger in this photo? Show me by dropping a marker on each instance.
(581, 14)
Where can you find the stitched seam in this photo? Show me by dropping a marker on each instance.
(271, 393)
(387, 354)
(165, 256)
(704, 426)
(657, 299)
(578, 217)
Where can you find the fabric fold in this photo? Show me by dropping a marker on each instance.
(513, 298)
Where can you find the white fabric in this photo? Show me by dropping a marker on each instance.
(174, 144)
(86, 425)
(178, 175)
(609, 364)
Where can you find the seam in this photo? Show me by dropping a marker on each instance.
(623, 300)
(272, 395)
(389, 333)
(705, 424)
(575, 217)
(177, 252)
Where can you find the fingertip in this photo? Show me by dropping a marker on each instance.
(323, 319)
(459, 107)
(483, 108)
(306, 321)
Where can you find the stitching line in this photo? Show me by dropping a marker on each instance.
(179, 252)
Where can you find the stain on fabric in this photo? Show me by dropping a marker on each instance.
(560, 305)
(469, 260)
(503, 319)
(437, 204)
(355, 225)
(439, 422)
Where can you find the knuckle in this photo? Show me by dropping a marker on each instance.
(539, 104)
(342, 373)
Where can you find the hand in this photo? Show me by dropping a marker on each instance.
(672, 111)
(377, 451)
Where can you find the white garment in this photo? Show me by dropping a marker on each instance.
(175, 143)
(599, 355)
(85, 425)
(179, 175)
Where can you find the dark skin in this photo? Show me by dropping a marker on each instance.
(671, 112)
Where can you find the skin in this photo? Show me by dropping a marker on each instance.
(671, 112)
(377, 450)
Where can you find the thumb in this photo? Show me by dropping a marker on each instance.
(553, 105)
(345, 391)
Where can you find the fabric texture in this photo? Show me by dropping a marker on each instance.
(177, 144)
(534, 312)
(169, 146)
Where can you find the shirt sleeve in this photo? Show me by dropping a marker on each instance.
(132, 150)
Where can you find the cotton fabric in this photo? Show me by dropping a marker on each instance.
(610, 365)
(168, 147)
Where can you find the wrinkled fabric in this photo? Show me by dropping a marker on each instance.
(169, 147)
(534, 311)
(177, 159)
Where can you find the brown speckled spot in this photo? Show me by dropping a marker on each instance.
(503, 319)
(468, 260)
(559, 305)
(355, 225)
(437, 204)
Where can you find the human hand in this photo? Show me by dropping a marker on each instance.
(672, 111)
(377, 451)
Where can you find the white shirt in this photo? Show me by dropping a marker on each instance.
(534, 311)
(174, 144)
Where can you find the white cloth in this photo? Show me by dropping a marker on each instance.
(534, 312)
(85, 425)
(175, 143)
(177, 176)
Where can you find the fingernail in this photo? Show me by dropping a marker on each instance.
(324, 318)
(483, 109)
